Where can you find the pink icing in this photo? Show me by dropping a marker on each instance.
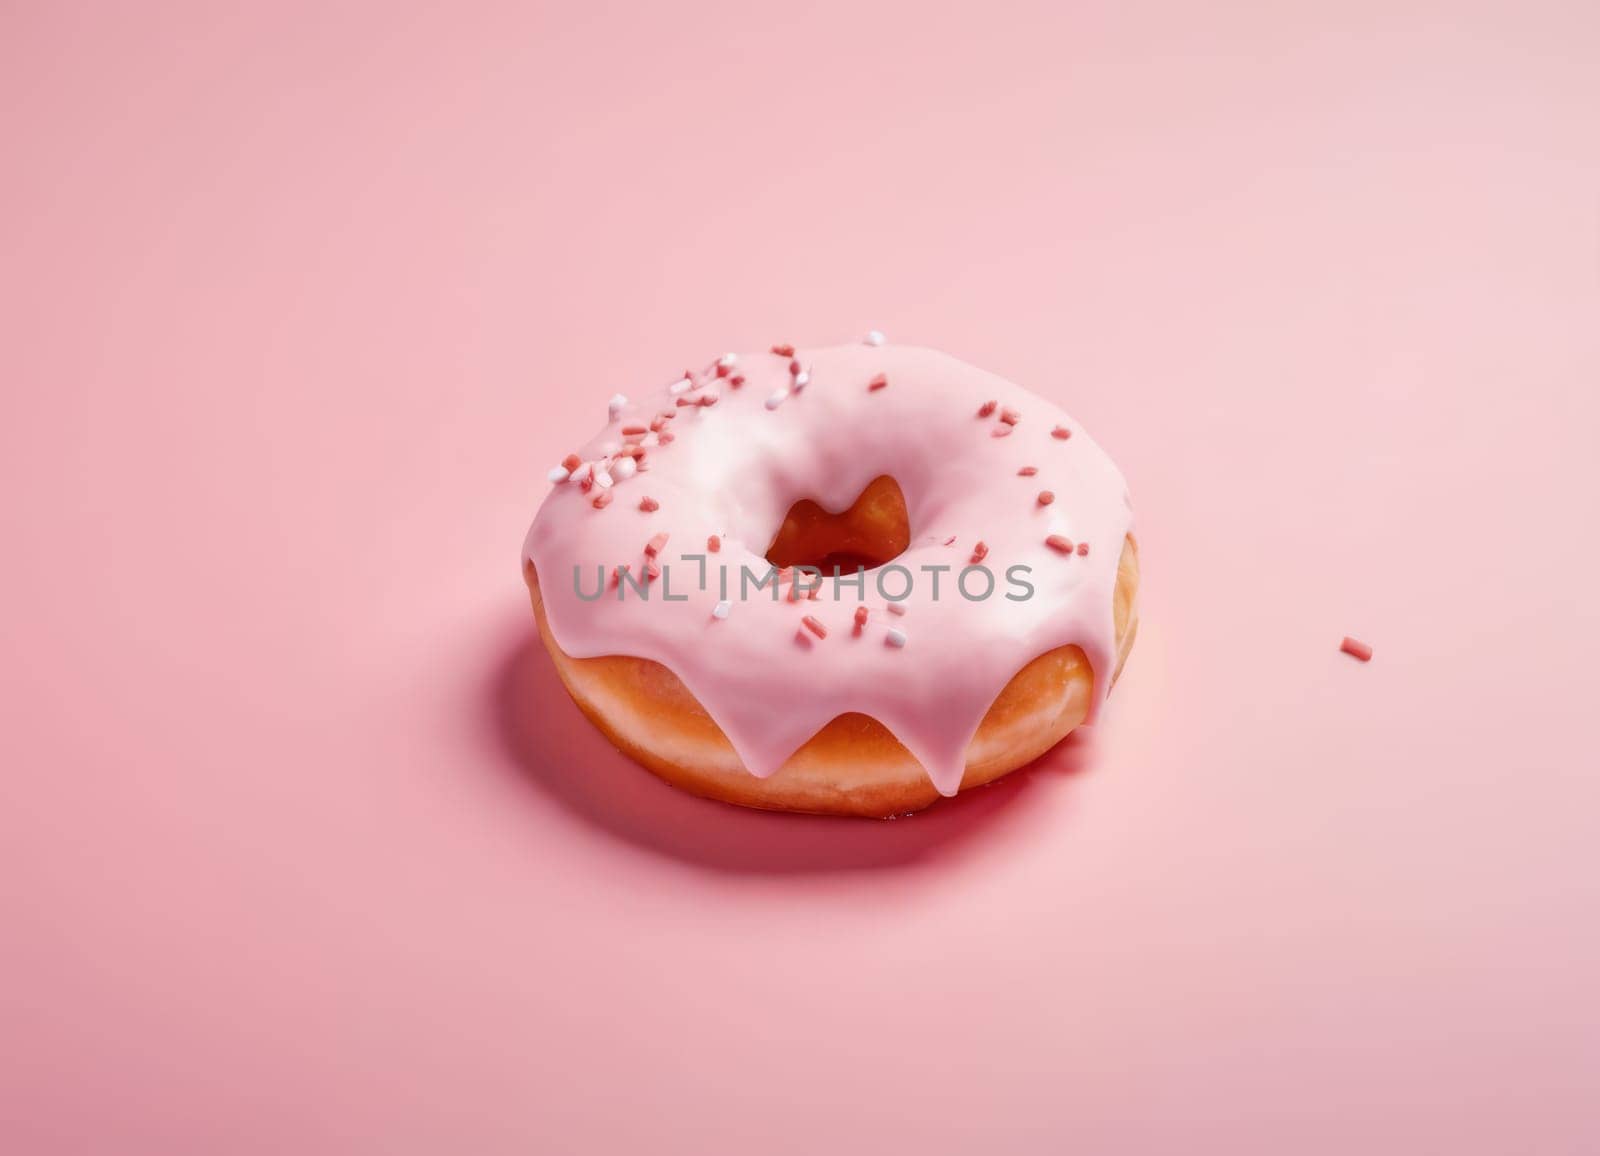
(733, 468)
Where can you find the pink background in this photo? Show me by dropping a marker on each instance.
(302, 850)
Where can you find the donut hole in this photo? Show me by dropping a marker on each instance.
(874, 531)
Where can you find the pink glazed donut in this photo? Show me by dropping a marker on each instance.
(847, 580)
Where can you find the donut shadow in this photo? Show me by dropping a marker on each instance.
(552, 748)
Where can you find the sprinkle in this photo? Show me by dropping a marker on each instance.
(877, 382)
(725, 364)
(558, 475)
(633, 431)
(1061, 433)
(583, 473)
(979, 553)
(616, 404)
(571, 462)
(651, 571)
(873, 337)
(1046, 497)
(631, 450)
(777, 399)
(602, 478)
(649, 505)
(736, 381)
(682, 385)
(987, 408)
(653, 546)
(897, 608)
(624, 467)
(1059, 544)
(861, 618)
(709, 397)
(667, 414)
(802, 379)
(721, 609)
(644, 464)
(1356, 649)
(1010, 416)
(664, 438)
(1000, 431)
(794, 365)
(616, 574)
(814, 624)
(895, 638)
(783, 350)
(1083, 549)
(714, 544)
(1027, 471)
(657, 424)
(602, 499)
(686, 401)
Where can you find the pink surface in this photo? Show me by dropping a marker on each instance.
(301, 849)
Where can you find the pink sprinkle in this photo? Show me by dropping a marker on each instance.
(683, 401)
(1027, 471)
(1061, 433)
(736, 381)
(616, 575)
(861, 618)
(987, 408)
(653, 547)
(795, 366)
(630, 431)
(1083, 548)
(649, 505)
(602, 499)
(1000, 431)
(1010, 416)
(571, 462)
(813, 624)
(709, 397)
(783, 350)
(1059, 544)
(667, 414)
(656, 424)
(714, 544)
(723, 370)
(878, 382)
(651, 571)
(664, 437)
(1046, 497)
(979, 553)
(1356, 649)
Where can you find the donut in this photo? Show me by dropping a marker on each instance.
(848, 580)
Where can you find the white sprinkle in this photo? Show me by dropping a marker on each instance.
(777, 399)
(897, 608)
(873, 337)
(1001, 431)
(896, 637)
(558, 475)
(602, 479)
(682, 385)
(623, 468)
(616, 405)
(721, 609)
(728, 360)
(802, 379)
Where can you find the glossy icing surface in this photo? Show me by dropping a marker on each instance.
(773, 429)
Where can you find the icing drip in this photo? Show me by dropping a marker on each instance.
(774, 671)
